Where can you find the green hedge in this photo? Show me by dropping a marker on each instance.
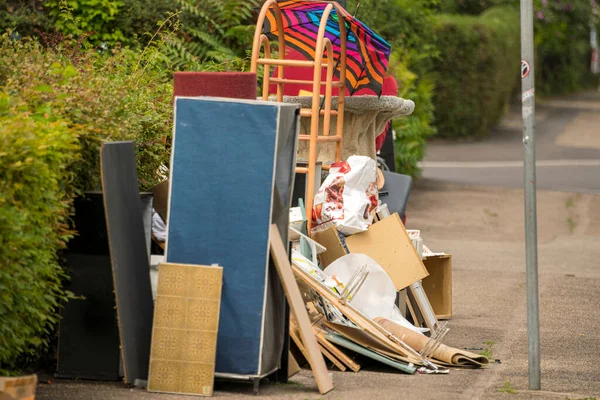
(562, 38)
(36, 152)
(57, 105)
(477, 71)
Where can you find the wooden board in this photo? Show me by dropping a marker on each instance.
(186, 321)
(129, 256)
(438, 285)
(298, 308)
(388, 244)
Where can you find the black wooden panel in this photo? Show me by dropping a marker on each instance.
(129, 256)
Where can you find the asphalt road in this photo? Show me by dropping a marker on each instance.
(568, 150)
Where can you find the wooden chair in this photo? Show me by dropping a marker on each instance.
(320, 107)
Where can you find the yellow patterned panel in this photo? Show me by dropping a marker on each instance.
(184, 338)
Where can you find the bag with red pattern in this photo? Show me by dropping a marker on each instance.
(348, 197)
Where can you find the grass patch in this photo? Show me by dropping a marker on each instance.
(488, 352)
(572, 224)
(507, 388)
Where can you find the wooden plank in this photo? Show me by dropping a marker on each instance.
(129, 256)
(332, 358)
(284, 269)
(296, 338)
(186, 322)
(339, 354)
(388, 244)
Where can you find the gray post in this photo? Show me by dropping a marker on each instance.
(528, 109)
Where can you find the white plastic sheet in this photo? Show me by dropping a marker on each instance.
(376, 297)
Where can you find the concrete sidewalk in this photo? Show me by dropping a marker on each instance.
(483, 229)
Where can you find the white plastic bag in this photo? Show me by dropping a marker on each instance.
(348, 196)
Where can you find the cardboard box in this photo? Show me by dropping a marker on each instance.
(18, 388)
(386, 242)
(438, 285)
(161, 199)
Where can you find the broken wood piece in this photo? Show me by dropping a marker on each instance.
(294, 334)
(292, 292)
(293, 366)
(332, 358)
(339, 354)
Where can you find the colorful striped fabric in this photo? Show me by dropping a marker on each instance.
(367, 53)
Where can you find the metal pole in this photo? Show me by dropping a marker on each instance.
(528, 110)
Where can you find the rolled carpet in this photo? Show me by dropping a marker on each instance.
(446, 354)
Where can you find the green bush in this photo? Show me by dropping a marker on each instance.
(472, 7)
(117, 96)
(24, 17)
(57, 104)
(36, 152)
(562, 41)
(477, 71)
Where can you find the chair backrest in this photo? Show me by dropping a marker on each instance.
(396, 191)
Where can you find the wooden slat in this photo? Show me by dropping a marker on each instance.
(307, 112)
(284, 270)
(321, 139)
(288, 63)
(303, 82)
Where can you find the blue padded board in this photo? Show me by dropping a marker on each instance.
(220, 210)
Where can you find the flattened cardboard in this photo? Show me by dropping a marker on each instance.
(184, 337)
(438, 285)
(161, 199)
(331, 241)
(388, 243)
